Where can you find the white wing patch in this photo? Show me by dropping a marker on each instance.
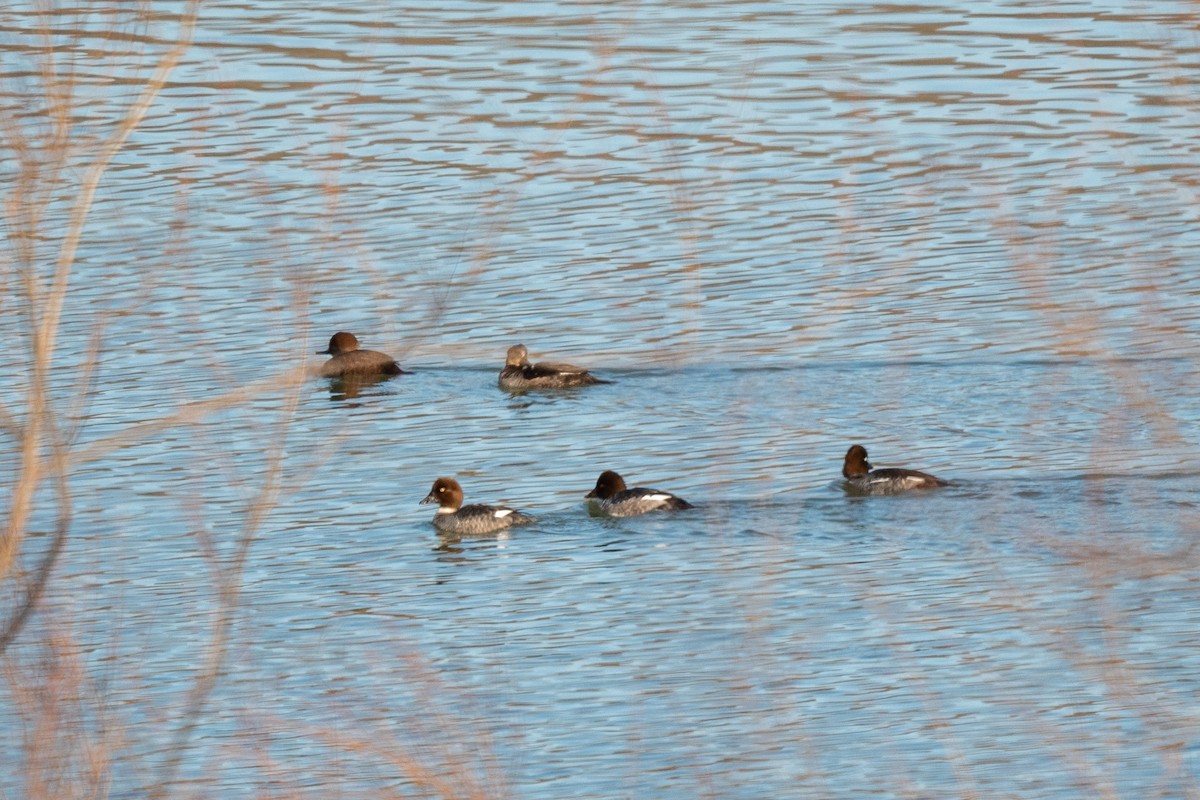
(501, 513)
(658, 498)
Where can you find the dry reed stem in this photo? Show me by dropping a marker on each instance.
(228, 579)
(44, 309)
(46, 438)
(443, 755)
(67, 742)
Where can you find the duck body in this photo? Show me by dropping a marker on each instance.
(862, 479)
(347, 360)
(519, 375)
(610, 498)
(473, 520)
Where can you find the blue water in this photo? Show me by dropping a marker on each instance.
(964, 238)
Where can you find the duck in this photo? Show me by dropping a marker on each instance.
(348, 360)
(861, 478)
(610, 498)
(519, 375)
(454, 518)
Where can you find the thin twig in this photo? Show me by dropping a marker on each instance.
(45, 312)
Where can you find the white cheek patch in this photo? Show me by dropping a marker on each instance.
(501, 513)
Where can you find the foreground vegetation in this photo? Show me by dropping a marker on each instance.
(74, 741)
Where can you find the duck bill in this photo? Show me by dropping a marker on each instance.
(429, 498)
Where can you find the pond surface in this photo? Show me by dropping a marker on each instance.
(965, 237)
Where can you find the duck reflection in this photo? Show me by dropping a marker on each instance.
(348, 387)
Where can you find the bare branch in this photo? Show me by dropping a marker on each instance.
(229, 590)
(46, 311)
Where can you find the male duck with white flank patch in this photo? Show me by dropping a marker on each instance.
(861, 478)
(610, 498)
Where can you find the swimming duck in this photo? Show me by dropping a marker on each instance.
(519, 375)
(862, 478)
(610, 498)
(453, 517)
(348, 360)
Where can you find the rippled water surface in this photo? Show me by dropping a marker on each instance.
(965, 237)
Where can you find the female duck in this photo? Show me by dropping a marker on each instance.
(610, 498)
(473, 520)
(347, 360)
(860, 477)
(519, 375)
